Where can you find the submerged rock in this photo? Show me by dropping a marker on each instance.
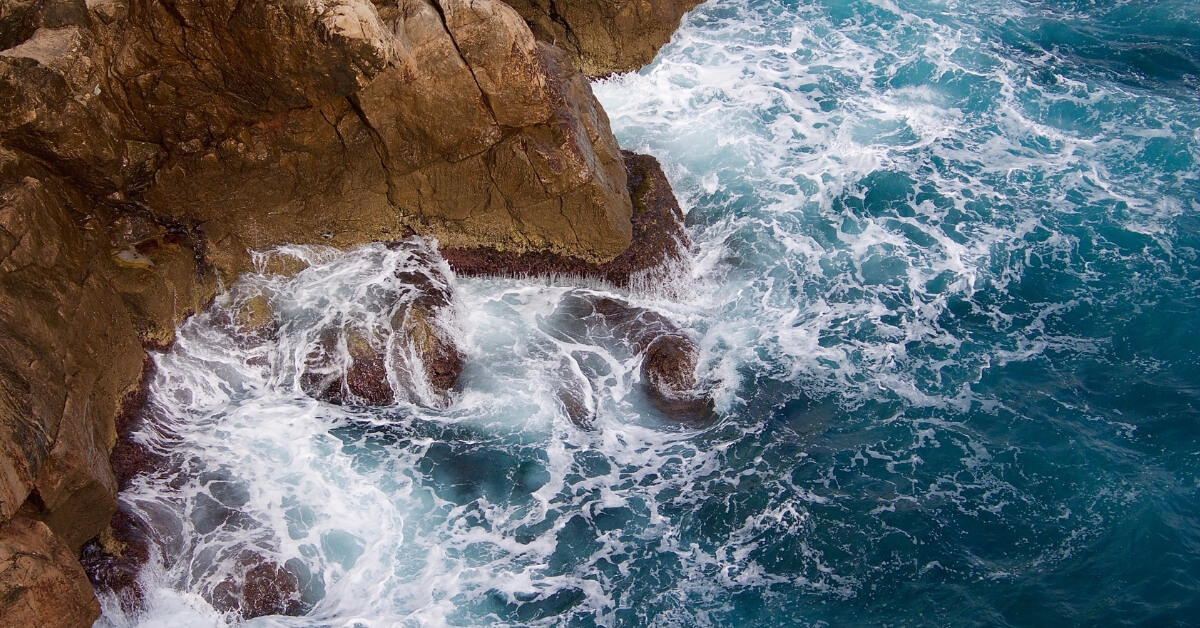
(668, 355)
(669, 373)
(400, 345)
(348, 365)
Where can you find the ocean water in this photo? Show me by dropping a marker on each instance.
(946, 290)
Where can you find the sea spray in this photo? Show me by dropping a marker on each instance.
(945, 289)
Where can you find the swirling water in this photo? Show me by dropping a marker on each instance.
(946, 288)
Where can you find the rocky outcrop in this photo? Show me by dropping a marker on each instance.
(146, 146)
(658, 251)
(337, 123)
(605, 37)
(41, 583)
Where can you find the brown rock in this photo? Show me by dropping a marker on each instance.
(258, 587)
(660, 240)
(431, 344)
(352, 364)
(65, 368)
(359, 376)
(669, 372)
(669, 355)
(114, 560)
(146, 146)
(605, 37)
(41, 583)
(574, 395)
(162, 280)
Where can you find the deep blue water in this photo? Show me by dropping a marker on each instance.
(946, 287)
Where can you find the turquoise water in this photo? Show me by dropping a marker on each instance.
(946, 289)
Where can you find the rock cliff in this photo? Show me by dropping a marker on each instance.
(147, 146)
(605, 37)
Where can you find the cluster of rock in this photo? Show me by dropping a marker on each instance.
(146, 146)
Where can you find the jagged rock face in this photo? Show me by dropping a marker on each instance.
(41, 583)
(68, 354)
(334, 122)
(605, 37)
(71, 354)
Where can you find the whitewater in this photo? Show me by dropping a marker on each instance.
(946, 291)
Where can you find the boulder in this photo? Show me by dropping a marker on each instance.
(605, 37)
(348, 365)
(669, 373)
(41, 583)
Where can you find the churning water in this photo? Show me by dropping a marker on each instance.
(946, 289)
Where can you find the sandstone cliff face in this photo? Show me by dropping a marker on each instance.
(147, 145)
(605, 37)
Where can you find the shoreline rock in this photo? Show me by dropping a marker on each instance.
(41, 582)
(659, 238)
(144, 153)
(605, 38)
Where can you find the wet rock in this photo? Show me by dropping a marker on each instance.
(401, 345)
(669, 372)
(41, 583)
(658, 252)
(255, 316)
(144, 151)
(668, 355)
(114, 560)
(605, 37)
(162, 281)
(257, 588)
(574, 394)
(348, 366)
(280, 263)
(439, 355)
